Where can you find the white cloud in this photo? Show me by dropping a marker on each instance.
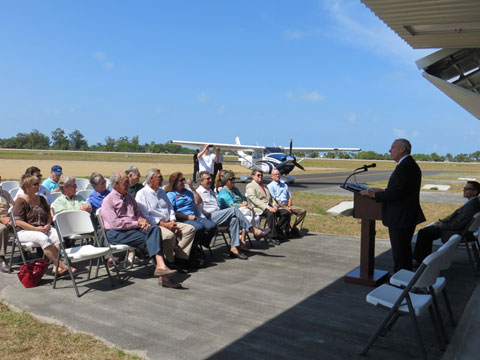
(203, 98)
(401, 133)
(416, 133)
(298, 34)
(221, 110)
(158, 110)
(353, 26)
(352, 118)
(102, 58)
(304, 96)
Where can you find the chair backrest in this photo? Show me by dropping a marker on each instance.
(13, 192)
(81, 183)
(73, 222)
(55, 195)
(84, 194)
(14, 224)
(449, 248)
(432, 269)
(109, 184)
(474, 223)
(9, 185)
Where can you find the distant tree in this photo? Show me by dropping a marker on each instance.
(109, 144)
(314, 155)
(59, 140)
(344, 155)
(77, 141)
(475, 156)
(449, 157)
(461, 158)
(33, 140)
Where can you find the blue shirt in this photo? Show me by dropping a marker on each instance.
(227, 198)
(280, 192)
(96, 199)
(50, 184)
(182, 203)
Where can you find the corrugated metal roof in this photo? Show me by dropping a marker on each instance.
(425, 24)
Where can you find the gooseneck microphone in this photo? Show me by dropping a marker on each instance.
(366, 167)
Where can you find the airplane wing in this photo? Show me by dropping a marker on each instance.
(220, 145)
(324, 149)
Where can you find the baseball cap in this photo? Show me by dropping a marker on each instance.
(57, 170)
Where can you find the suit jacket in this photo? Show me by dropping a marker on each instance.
(401, 199)
(258, 198)
(459, 219)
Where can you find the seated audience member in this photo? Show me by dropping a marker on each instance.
(452, 224)
(230, 216)
(134, 177)
(219, 183)
(51, 183)
(99, 192)
(231, 196)
(69, 200)
(280, 191)
(184, 204)
(33, 170)
(124, 224)
(5, 226)
(33, 220)
(157, 209)
(264, 204)
(218, 166)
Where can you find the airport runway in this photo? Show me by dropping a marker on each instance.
(329, 184)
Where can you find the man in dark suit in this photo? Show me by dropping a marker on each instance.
(401, 210)
(453, 224)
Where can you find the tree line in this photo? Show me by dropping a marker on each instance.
(75, 140)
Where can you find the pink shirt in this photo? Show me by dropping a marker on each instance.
(120, 212)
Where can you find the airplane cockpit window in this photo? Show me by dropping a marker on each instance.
(270, 150)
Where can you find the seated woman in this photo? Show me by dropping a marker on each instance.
(69, 200)
(229, 196)
(33, 220)
(219, 182)
(99, 192)
(184, 204)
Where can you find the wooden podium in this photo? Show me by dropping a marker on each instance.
(368, 210)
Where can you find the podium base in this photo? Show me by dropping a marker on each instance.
(377, 278)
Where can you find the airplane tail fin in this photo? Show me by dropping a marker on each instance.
(241, 154)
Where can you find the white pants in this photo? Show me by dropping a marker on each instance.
(251, 217)
(39, 238)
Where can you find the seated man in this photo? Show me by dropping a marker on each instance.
(231, 216)
(280, 191)
(124, 224)
(69, 200)
(51, 183)
(134, 177)
(5, 226)
(264, 204)
(157, 209)
(453, 224)
(35, 171)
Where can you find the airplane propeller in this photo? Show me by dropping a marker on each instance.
(295, 159)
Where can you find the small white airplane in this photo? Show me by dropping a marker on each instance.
(265, 158)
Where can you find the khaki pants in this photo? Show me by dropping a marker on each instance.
(300, 214)
(178, 245)
(4, 232)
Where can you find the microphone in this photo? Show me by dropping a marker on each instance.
(366, 167)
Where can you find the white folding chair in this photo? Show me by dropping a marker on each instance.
(78, 223)
(470, 241)
(402, 277)
(13, 192)
(84, 194)
(16, 244)
(115, 249)
(82, 183)
(55, 195)
(404, 301)
(9, 185)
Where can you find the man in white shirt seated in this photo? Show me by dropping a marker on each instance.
(230, 216)
(156, 208)
(280, 191)
(43, 191)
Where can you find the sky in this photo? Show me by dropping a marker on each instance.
(323, 72)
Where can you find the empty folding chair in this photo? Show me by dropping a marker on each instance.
(9, 185)
(404, 301)
(84, 194)
(78, 223)
(82, 183)
(470, 242)
(402, 277)
(17, 245)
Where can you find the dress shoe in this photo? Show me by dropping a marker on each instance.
(166, 282)
(273, 241)
(163, 272)
(4, 267)
(295, 233)
(238, 255)
(262, 234)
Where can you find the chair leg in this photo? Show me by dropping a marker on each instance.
(415, 326)
(436, 326)
(449, 308)
(11, 256)
(436, 309)
(470, 257)
(249, 240)
(475, 254)
(108, 271)
(389, 326)
(379, 330)
(225, 239)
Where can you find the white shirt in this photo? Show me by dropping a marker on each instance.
(43, 191)
(209, 199)
(155, 205)
(205, 163)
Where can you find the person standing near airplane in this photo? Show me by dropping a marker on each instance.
(401, 210)
(207, 159)
(195, 165)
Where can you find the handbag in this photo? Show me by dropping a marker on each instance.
(31, 273)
